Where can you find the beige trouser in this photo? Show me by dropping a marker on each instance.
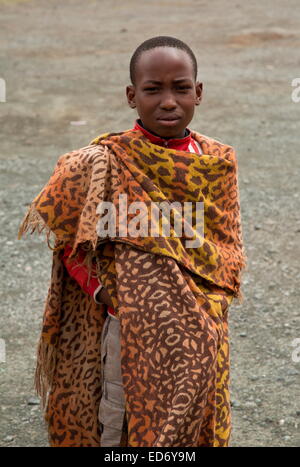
(112, 404)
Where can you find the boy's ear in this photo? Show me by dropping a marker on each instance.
(130, 93)
(199, 90)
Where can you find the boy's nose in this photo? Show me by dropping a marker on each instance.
(168, 102)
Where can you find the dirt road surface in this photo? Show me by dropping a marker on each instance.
(68, 61)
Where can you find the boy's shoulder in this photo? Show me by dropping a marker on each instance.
(85, 154)
(213, 146)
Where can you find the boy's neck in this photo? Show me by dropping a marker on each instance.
(186, 132)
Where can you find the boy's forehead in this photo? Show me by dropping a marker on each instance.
(162, 60)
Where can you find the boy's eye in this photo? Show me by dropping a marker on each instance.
(184, 88)
(151, 89)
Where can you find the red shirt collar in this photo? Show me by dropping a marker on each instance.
(172, 143)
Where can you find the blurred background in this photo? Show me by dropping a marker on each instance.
(63, 73)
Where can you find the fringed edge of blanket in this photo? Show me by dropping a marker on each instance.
(46, 352)
(33, 220)
(45, 367)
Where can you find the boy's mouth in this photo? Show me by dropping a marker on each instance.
(169, 121)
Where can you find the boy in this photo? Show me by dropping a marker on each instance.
(167, 303)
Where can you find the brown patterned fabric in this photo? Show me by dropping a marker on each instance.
(172, 301)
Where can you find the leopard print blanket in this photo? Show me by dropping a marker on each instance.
(172, 301)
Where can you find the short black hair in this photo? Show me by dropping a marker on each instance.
(160, 41)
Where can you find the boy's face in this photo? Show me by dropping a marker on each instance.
(165, 92)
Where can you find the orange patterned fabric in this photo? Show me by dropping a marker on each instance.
(172, 301)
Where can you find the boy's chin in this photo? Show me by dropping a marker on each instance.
(169, 132)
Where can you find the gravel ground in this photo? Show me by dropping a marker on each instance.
(68, 61)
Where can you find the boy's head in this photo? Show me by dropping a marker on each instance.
(164, 90)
